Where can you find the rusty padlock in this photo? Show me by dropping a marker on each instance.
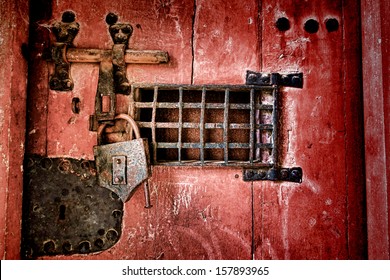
(122, 166)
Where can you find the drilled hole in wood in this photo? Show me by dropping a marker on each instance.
(311, 26)
(283, 24)
(332, 24)
(76, 105)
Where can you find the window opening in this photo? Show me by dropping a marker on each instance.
(222, 125)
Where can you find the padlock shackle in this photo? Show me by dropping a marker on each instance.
(126, 117)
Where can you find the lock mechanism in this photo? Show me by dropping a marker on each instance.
(122, 166)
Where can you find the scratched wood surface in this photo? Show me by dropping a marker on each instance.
(197, 213)
(323, 217)
(206, 213)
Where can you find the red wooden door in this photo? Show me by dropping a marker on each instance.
(210, 212)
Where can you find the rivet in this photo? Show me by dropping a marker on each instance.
(283, 174)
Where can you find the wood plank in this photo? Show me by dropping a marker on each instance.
(80, 55)
(189, 218)
(308, 221)
(13, 93)
(154, 28)
(376, 86)
(226, 41)
(197, 213)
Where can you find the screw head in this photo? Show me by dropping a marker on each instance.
(283, 174)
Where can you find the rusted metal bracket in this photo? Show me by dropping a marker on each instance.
(120, 34)
(105, 100)
(65, 211)
(112, 74)
(274, 174)
(65, 32)
(274, 79)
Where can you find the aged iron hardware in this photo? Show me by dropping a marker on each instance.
(270, 79)
(120, 33)
(122, 166)
(65, 211)
(206, 125)
(217, 125)
(65, 32)
(274, 174)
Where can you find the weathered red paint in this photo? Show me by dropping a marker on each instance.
(199, 212)
(13, 74)
(376, 85)
(311, 220)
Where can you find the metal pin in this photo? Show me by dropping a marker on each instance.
(147, 195)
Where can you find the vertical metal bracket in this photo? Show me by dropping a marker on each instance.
(112, 74)
(65, 32)
(274, 173)
(120, 34)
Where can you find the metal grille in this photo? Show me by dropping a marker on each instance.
(208, 125)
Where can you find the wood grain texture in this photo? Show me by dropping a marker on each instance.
(210, 213)
(13, 77)
(376, 85)
(311, 220)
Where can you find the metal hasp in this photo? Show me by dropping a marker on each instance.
(65, 32)
(122, 166)
(65, 211)
(112, 74)
(112, 71)
(275, 173)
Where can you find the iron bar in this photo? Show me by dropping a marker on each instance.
(226, 127)
(154, 142)
(202, 125)
(180, 121)
(252, 125)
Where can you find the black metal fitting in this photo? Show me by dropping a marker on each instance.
(65, 32)
(274, 79)
(274, 174)
(120, 34)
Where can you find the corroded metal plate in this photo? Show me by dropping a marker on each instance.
(65, 211)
